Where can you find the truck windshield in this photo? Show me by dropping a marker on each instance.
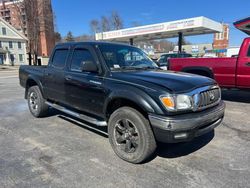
(126, 57)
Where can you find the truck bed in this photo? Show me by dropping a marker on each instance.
(223, 69)
(26, 70)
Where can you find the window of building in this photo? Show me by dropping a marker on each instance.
(59, 58)
(19, 45)
(216, 36)
(79, 56)
(1, 46)
(10, 44)
(4, 31)
(21, 57)
(221, 35)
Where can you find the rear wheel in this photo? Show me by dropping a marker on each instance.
(130, 135)
(36, 102)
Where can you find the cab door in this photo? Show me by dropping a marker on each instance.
(84, 90)
(243, 67)
(54, 75)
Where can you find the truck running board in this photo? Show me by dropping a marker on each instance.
(77, 115)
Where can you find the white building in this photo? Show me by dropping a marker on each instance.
(195, 49)
(12, 45)
(233, 51)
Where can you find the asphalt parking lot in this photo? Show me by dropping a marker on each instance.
(59, 152)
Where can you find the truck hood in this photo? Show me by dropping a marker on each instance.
(156, 79)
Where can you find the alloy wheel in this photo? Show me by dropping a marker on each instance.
(126, 136)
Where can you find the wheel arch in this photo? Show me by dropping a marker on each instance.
(142, 103)
(203, 71)
(31, 81)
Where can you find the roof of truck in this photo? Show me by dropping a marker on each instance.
(89, 43)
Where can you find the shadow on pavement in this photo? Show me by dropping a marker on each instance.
(102, 131)
(236, 96)
(163, 150)
(182, 149)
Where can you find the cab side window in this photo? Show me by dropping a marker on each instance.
(79, 56)
(59, 58)
(248, 53)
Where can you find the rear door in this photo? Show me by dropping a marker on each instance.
(243, 69)
(84, 90)
(54, 75)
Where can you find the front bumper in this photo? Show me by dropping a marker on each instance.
(182, 128)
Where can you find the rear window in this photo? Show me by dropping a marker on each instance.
(174, 55)
(162, 59)
(185, 55)
(59, 58)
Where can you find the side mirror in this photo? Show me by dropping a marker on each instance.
(88, 66)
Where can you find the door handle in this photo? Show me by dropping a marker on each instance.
(68, 78)
(48, 74)
(248, 64)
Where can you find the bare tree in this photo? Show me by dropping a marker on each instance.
(116, 21)
(95, 26)
(163, 45)
(33, 28)
(184, 41)
(21, 15)
(135, 24)
(105, 24)
(83, 38)
(38, 21)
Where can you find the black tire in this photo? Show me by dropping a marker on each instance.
(36, 102)
(128, 124)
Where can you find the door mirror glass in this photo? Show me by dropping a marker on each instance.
(88, 66)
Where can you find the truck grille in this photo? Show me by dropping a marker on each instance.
(209, 98)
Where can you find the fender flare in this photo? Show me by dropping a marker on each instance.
(140, 98)
(197, 68)
(38, 83)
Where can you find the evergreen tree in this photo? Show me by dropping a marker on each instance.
(69, 37)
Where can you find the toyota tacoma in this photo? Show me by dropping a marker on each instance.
(119, 86)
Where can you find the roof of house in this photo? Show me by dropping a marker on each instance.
(14, 30)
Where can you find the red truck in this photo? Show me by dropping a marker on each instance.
(228, 72)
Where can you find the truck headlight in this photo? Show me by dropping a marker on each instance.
(177, 102)
(183, 102)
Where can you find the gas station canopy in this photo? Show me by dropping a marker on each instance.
(243, 25)
(186, 27)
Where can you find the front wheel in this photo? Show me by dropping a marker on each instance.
(130, 135)
(36, 102)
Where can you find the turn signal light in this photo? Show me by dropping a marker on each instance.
(168, 102)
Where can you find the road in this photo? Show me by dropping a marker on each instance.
(57, 151)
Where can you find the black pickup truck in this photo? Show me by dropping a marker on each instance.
(118, 86)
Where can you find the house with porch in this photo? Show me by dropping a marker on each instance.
(12, 45)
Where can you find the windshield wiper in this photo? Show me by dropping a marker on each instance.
(149, 67)
(130, 68)
(138, 68)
